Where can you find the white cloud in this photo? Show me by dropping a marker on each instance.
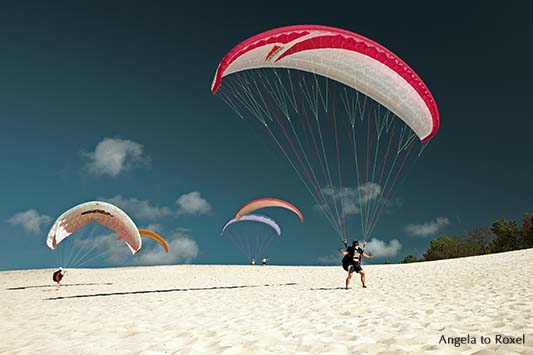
(381, 249)
(30, 220)
(188, 204)
(369, 191)
(181, 249)
(346, 198)
(393, 204)
(427, 229)
(330, 259)
(193, 204)
(113, 156)
(349, 199)
(141, 209)
(180, 231)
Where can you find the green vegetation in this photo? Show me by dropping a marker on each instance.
(411, 259)
(502, 236)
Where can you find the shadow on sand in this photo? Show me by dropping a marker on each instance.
(328, 288)
(50, 286)
(165, 291)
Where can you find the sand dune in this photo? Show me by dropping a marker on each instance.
(202, 309)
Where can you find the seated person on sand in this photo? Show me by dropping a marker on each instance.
(264, 261)
(58, 275)
(252, 262)
(351, 262)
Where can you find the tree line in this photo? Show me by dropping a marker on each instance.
(503, 235)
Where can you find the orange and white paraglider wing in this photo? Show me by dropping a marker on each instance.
(267, 202)
(95, 211)
(153, 235)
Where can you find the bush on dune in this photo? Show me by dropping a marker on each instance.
(503, 236)
(410, 259)
(527, 230)
(507, 236)
(447, 247)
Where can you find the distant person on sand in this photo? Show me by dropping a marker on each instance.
(252, 262)
(352, 262)
(264, 261)
(58, 276)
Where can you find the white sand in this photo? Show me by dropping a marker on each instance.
(195, 309)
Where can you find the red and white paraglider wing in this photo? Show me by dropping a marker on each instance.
(95, 211)
(267, 202)
(343, 56)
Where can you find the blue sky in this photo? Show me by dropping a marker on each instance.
(82, 80)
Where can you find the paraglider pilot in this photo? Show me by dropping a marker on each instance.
(58, 276)
(351, 262)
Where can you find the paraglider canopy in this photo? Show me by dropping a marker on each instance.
(267, 202)
(257, 218)
(104, 213)
(343, 56)
(153, 235)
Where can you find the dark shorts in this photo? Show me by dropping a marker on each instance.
(351, 265)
